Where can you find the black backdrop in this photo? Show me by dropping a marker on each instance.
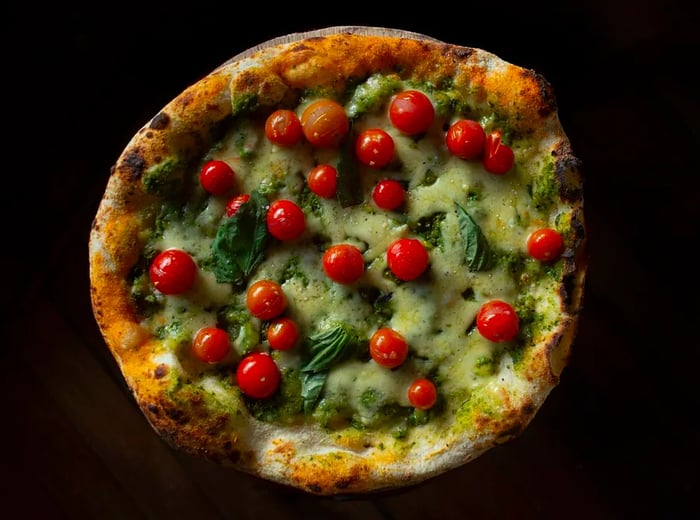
(79, 80)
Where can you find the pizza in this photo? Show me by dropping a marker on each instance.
(344, 261)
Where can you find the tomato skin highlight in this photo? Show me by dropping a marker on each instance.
(388, 348)
(465, 139)
(374, 147)
(498, 156)
(343, 263)
(285, 220)
(265, 299)
(282, 334)
(258, 376)
(324, 123)
(422, 394)
(407, 258)
(216, 177)
(323, 181)
(545, 244)
(211, 344)
(497, 321)
(411, 112)
(233, 205)
(173, 271)
(388, 194)
(283, 127)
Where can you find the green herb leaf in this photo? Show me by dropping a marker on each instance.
(325, 348)
(476, 248)
(239, 245)
(349, 191)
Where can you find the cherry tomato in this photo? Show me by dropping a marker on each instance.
(411, 112)
(497, 321)
(545, 244)
(407, 258)
(323, 180)
(374, 147)
(217, 177)
(258, 375)
(285, 220)
(324, 123)
(210, 344)
(233, 205)
(388, 348)
(282, 334)
(466, 139)
(173, 271)
(266, 299)
(343, 263)
(498, 157)
(283, 127)
(422, 394)
(388, 194)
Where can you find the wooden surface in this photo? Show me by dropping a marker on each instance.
(619, 438)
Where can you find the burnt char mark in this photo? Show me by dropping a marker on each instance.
(160, 121)
(133, 165)
(548, 103)
(568, 172)
(460, 53)
(160, 371)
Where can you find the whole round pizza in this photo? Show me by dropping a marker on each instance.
(344, 261)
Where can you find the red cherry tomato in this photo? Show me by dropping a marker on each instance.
(285, 220)
(422, 394)
(282, 334)
(466, 139)
(173, 271)
(498, 157)
(497, 321)
(411, 112)
(343, 263)
(545, 244)
(323, 180)
(324, 123)
(407, 258)
(210, 344)
(258, 375)
(233, 205)
(374, 147)
(217, 177)
(283, 127)
(388, 194)
(388, 348)
(266, 299)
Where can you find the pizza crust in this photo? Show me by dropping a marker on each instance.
(300, 455)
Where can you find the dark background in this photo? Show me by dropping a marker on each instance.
(618, 438)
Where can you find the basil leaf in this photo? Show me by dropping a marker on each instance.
(349, 190)
(476, 248)
(239, 245)
(311, 386)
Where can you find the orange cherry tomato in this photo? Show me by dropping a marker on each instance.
(497, 321)
(422, 394)
(323, 180)
(210, 344)
(466, 139)
(343, 263)
(217, 177)
(324, 123)
(407, 258)
(285, 220)
(265, 299)
(388, 348)
(498, 156)
(282, 334)
(283, 127)
(173, 271)
(258, 376)
(411, 112)
(545, 244)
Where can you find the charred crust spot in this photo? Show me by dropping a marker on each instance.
(133, 165)
(160, 121)
(461, 53)
(161, 371)
(177, 415)
(568, 174)
(153, 408)
(547, 99)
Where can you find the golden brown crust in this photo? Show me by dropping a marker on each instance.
(273, 76)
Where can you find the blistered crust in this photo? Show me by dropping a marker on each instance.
(307, 458)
